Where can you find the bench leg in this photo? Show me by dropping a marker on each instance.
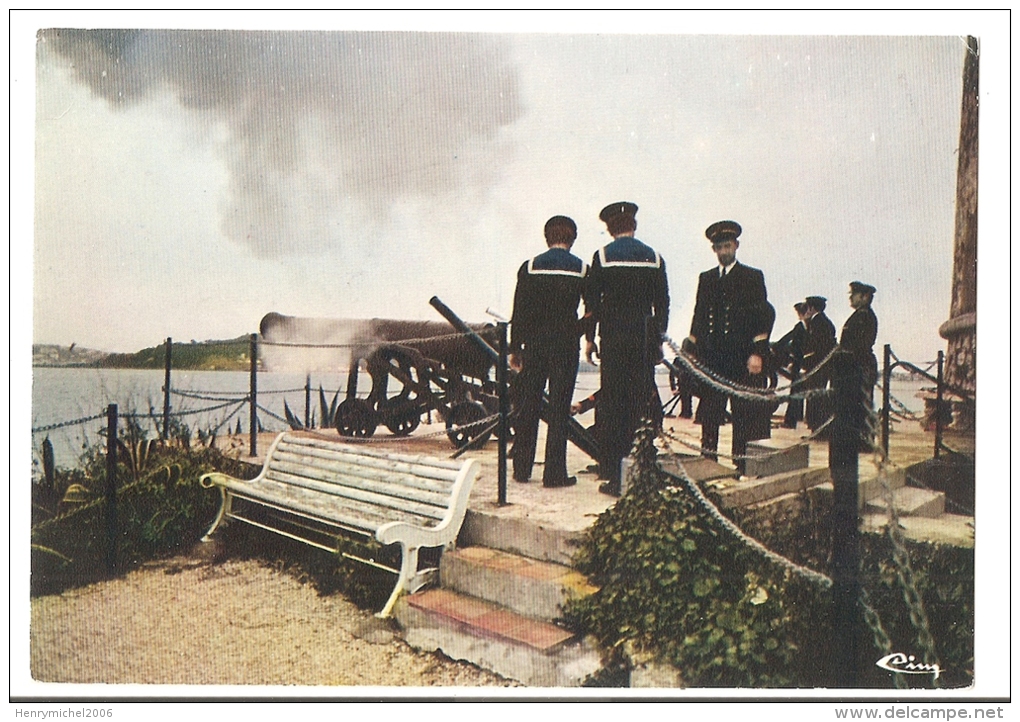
(408, 570)
(225, 500)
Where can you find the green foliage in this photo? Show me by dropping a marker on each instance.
(231, 355)
(677, 587)
(161, 510)
(943, 574)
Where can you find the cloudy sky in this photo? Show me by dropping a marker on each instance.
(189, 182)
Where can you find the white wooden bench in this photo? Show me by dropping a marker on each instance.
(315, 490)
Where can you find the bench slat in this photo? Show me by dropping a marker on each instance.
(327, 480)
(349, 474)
(418, 470)
(362, 450)
(354, 515)
(367, 498)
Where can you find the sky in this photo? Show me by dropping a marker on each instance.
(189, 182)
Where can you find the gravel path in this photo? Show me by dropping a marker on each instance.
(188, 621)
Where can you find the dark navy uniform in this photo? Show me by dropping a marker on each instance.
(789, 354)
(545, 333)
(858, 337)
(821, 339)
(627, 285)
(732, 320)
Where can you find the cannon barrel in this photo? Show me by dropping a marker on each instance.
(329, 343)
(576, 433)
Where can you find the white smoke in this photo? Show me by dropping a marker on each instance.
(325, 131)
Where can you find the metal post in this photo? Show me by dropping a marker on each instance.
(844, 445)
(886, 379)
(504, 411)
(253, 428)
(938, 405)
(166, 391)
(308, 400)
(111, 488)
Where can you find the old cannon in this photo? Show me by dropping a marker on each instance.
(415, 367)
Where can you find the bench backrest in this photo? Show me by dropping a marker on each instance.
(370, 485)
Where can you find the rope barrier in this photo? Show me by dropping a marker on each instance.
(64, 424)
(702, 450)
(901, 560)
(214, 395)
(791, 566)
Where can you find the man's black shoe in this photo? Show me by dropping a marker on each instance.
(610, 489)
(522, 481)
(569, 481)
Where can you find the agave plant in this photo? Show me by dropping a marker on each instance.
(294, 421)
(328, 411)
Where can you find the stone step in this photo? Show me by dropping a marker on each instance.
(871, 487)
(522, 536)
(744, 492)
(768, 458)
(698, 468)
(530, 651)
(527, 586)
(951, 529)
(910, 501)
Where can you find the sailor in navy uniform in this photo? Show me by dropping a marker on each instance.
(544, 344)
(820, 340)
(858, 337)
(730, 334)
(789, 354)
(628, 297)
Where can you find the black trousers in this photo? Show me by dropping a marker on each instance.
(541, 364)
(749, 420)
(628, 393)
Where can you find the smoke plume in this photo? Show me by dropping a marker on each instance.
(325, 131)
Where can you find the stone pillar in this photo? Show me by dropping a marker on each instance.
(961, 329)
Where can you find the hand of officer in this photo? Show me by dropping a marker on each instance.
(590, 349)
(754, 364)
(515, 362)
(688, 346)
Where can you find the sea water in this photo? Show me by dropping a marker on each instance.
(61, 395)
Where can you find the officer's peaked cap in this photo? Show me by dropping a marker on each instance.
(816, 302)
(800, 307)
(723, 231)
(615, 210)
(858, 287)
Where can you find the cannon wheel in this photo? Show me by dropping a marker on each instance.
(354, 417)
(400, 418)
(401, 413)
(465, 413)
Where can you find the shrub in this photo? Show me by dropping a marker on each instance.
(161, 510)
(676, 586)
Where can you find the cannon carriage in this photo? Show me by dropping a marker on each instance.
(415, 367)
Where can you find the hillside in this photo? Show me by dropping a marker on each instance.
(229, 355)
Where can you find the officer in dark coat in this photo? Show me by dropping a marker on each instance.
(789, 354)
(859, 334)
(821, 339)
(628, 296)
(730, 334)
(544, 345)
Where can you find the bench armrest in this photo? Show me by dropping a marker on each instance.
(215, 478)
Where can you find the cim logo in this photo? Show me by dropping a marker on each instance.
(906, 664)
